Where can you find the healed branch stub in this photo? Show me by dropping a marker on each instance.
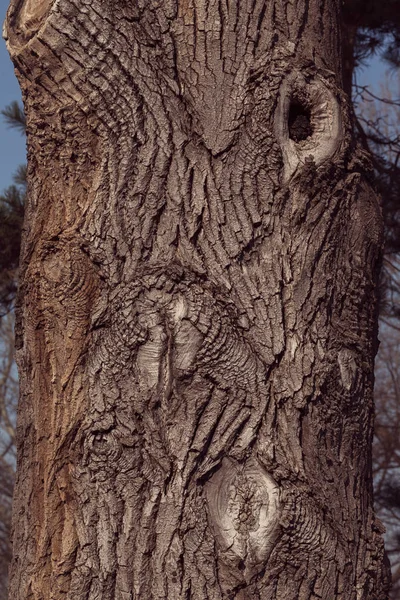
(194, 340)
(307, 99)
(28, 15)
(244, 509)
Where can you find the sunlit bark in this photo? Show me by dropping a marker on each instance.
(197, 324)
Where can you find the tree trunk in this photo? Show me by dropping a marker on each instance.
(197, 320)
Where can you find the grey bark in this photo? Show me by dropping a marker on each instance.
(197, 320)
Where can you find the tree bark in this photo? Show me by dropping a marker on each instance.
(197, 319)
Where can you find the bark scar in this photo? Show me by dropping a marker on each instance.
(31, 15)
(348, 368)
(244, 508)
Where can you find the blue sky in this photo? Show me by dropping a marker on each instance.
(12, 143)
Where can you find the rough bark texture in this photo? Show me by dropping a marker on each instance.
(197, 321)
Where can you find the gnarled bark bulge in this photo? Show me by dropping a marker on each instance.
(197, 322)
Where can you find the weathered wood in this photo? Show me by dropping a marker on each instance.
(197, 320)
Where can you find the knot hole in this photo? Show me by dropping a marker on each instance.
(300, 127)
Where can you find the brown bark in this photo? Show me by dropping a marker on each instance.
(197, 321)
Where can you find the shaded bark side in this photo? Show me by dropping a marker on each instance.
(197, 315)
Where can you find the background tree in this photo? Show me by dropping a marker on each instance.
(8, 406)
(379, 131)
(378, 126)
(387, 445)
(12, 203)
(370, 28)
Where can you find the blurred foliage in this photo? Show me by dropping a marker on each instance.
(11, 219)
(14, 116)
(12, 202)
(377, 29)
